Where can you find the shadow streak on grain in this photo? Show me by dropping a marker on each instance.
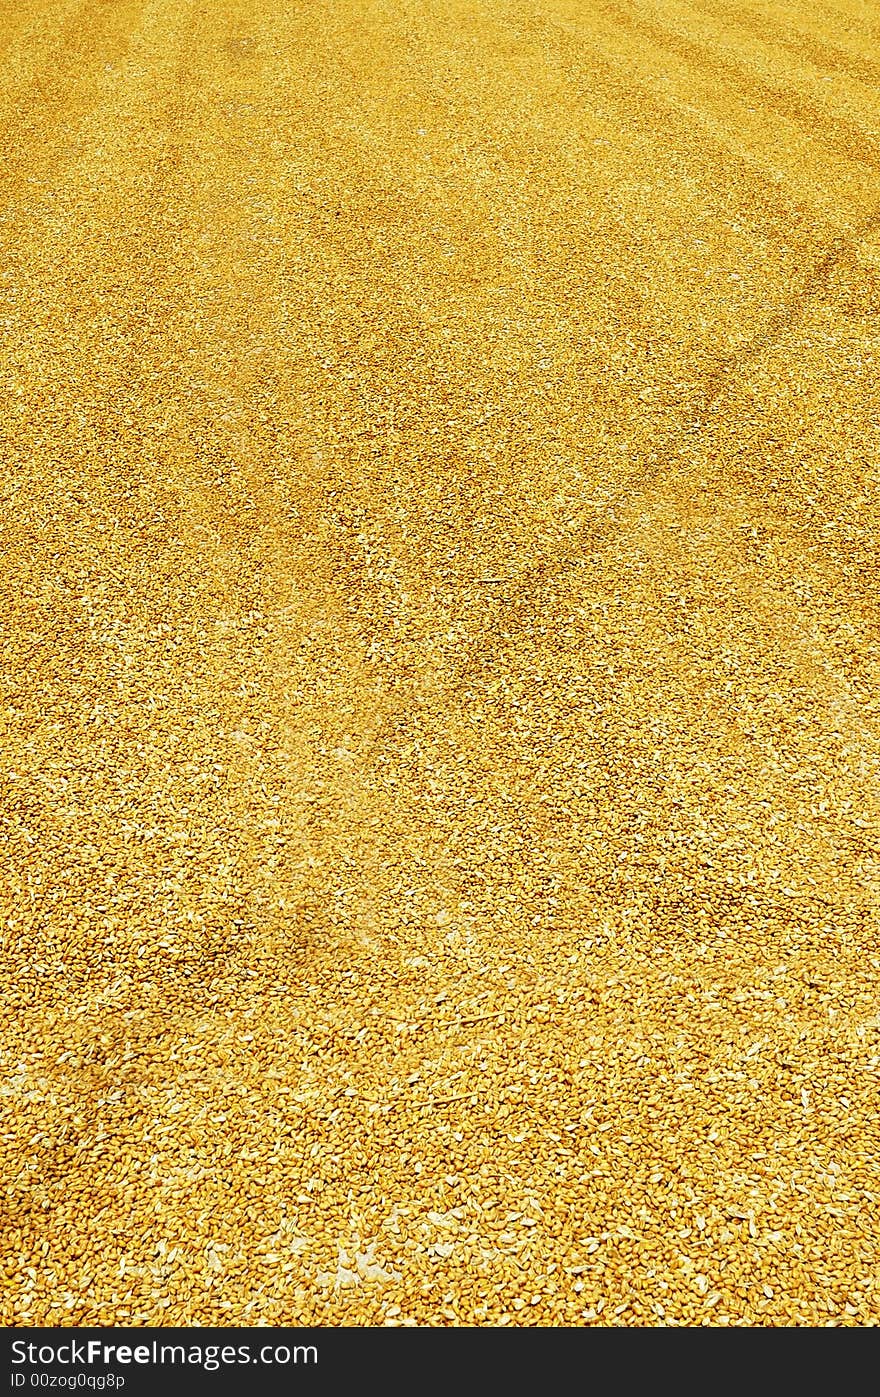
(839, 251)
(849, 142)
(817, 51)
(644, 476)
(834, 15)
(828, 258)
(788, 220)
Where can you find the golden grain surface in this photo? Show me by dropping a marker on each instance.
(439, 460)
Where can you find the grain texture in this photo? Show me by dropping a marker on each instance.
(439, 709)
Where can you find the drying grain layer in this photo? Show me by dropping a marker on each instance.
(440, 656)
